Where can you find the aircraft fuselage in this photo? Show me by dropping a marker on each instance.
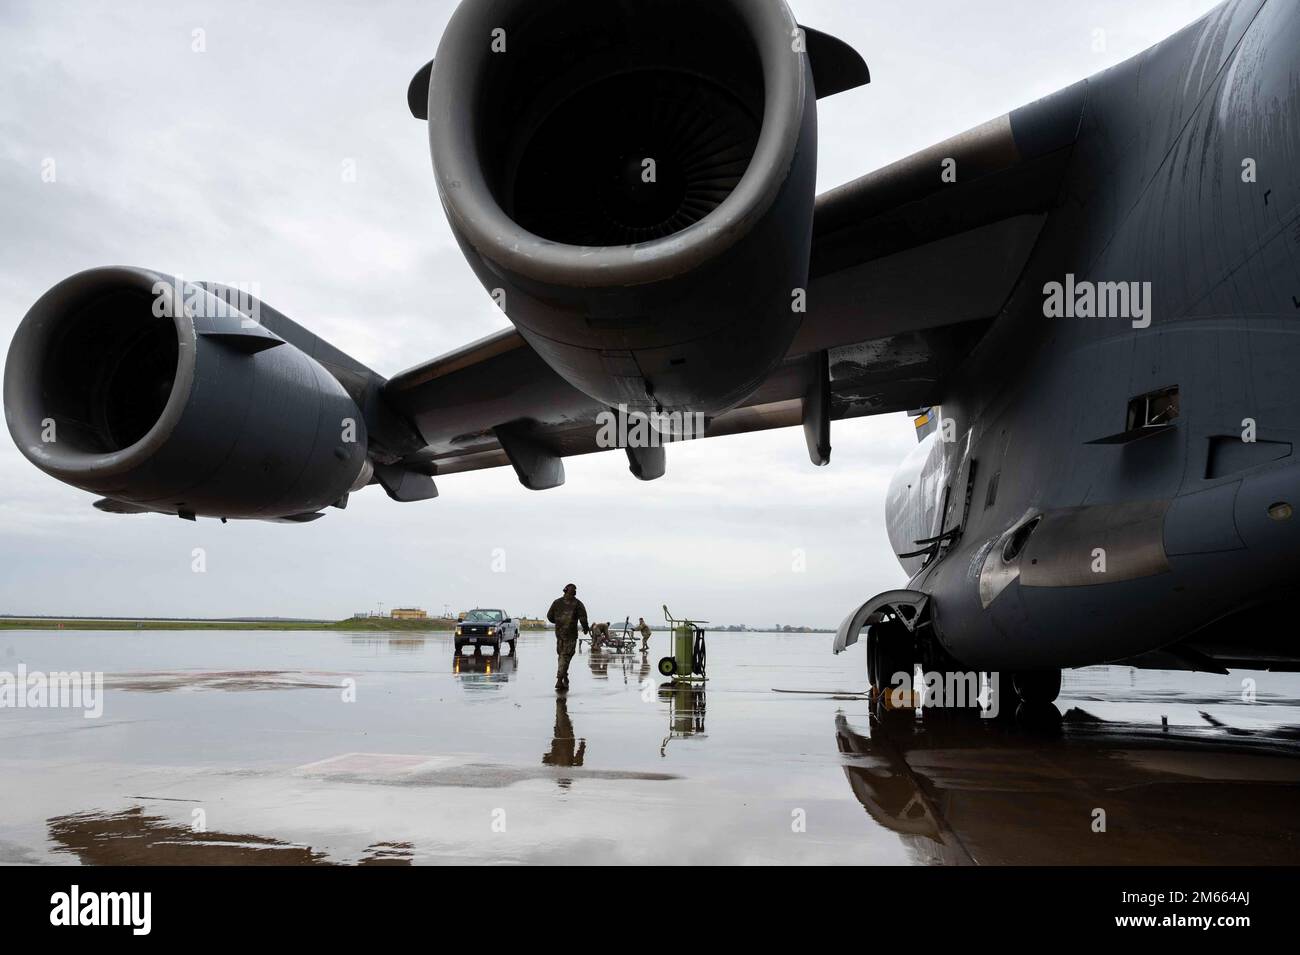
(1145, 457)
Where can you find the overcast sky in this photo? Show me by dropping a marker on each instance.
(226, 165)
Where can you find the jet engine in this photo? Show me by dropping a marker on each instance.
(167, 396)
(634, 182)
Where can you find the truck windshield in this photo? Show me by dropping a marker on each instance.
(484, 616)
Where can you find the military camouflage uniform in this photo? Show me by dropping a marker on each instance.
(565, 613)
(599, 635)
(645, 636)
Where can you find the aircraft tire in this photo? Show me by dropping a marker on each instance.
(894, 652)
(1035, 687)
(936, 659)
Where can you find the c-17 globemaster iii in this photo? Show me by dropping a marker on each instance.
(1089, 305)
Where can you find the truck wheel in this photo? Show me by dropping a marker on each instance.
(513, 651)
(459, 646)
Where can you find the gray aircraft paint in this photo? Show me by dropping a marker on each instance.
(1154, 192)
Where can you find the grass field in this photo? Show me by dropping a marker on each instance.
(87, 623)
(358, 624)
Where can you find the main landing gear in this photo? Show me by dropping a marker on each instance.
(893, 649)
(1036, 687)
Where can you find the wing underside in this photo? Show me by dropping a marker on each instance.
(908, 270)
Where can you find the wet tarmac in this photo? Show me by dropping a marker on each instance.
(321, 748)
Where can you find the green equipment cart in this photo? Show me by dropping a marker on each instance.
(687, 663)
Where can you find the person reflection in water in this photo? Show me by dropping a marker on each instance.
(565, 749)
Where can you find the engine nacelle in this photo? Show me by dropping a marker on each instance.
(166, 396)
(637, 178)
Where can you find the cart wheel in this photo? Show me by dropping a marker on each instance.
(668, 666)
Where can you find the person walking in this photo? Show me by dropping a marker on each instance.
(567, 612)
(644, 629)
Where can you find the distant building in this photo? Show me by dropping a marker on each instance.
(409, 613)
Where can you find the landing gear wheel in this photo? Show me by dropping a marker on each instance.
(1035, 687)
(668, 666)
(894, 652)
(1042, 719)
(956, 689)
(872, 677)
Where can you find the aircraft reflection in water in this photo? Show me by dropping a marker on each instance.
(135, 837)
(960, 790)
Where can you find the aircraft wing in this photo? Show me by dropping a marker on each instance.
(909, 266)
